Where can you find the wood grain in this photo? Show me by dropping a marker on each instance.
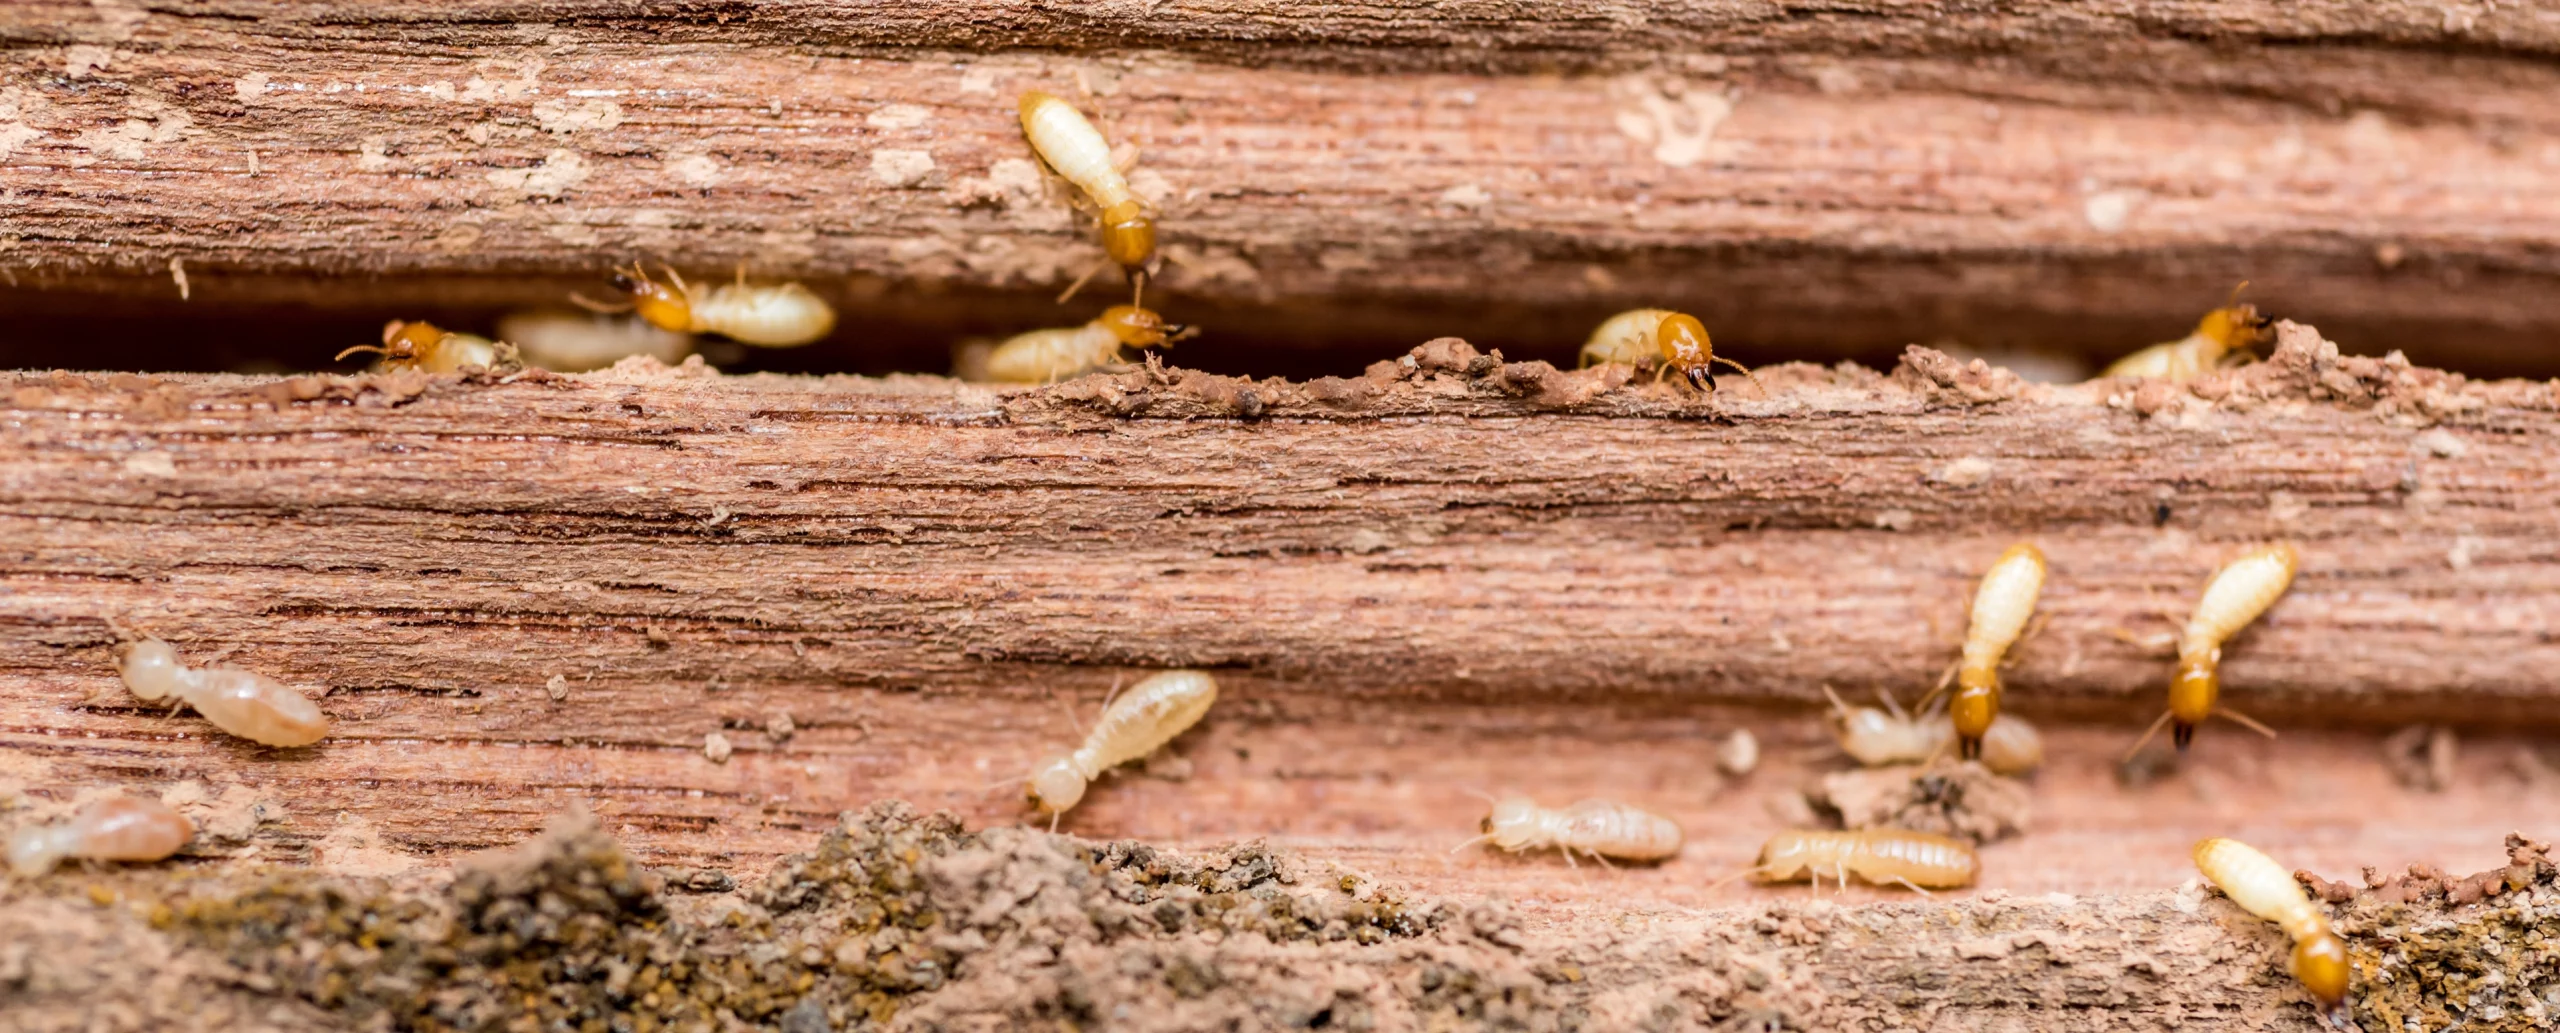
(920, 574)
(2065, 176)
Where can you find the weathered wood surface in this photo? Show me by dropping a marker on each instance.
(1391, 573)
(2068, 175)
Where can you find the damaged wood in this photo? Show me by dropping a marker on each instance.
(1816, 183)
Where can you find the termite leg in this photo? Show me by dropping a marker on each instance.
(673, 279)
(1053, 822)
(2245, 719)
(742, 274)
(1595, 855)
(1944, 680)
(1912, 886)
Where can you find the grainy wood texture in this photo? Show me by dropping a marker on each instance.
(1824, 179)
(1450, 573)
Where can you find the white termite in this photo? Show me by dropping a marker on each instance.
(1135, 724)
(118, 828)
(243, 703)
(1601, 829)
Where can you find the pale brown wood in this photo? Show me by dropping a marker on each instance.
(2071, 176)
(937, 583)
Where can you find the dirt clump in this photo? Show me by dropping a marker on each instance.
(1966, 801)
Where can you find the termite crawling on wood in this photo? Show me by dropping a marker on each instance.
(766, 315)
(2261, 887)
(1601, 829)
(1046, 356)
(421, 345)
(1875, 737)
(1916, 860)
(1071, 146)
(246, 704)
(1135, 724)
(2236, 329)
(118, 828)
(1673, 340)
(2001, 607)
(2238, 594)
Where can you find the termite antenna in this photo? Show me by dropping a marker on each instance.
(1479, 794)
(2156, 725)
(1089, 274)
(1746, 371)
(1721, 883)
(1885, 697)
(592, 305)
(1836, 702)
(1477, 841)
(2234, 299)
(999, 784)
(374, 348)
(2245, 719)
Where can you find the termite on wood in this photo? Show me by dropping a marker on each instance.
(118, 828)
(568, 341)
(2001, 607)
(2241, 591)
(1873, 737)
(1046, 356)
(1134, 724)
(766, 315)
(2235, 329)
(1673, 340)
(249, 705)
(1917, 860)
(1599, 828)
(2261, 887)
(421, 345)
(1071, 146)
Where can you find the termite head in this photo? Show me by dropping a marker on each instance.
(1057, 785)
(1975, 705)
(664, 305)
(2236, 326)
(1512, 824)
(1142, 327)
(2192, 694)
(1129, 235)
(149, 667)
(2320, 962)
(403, 341)
(1683, 342)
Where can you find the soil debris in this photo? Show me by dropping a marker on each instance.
(2421, 757)
(1964, 800)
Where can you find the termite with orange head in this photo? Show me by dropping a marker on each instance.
(1071, 146)
(2232, 330)
(1599, 828)
(2242, 590)
(1046, 356)
(1874, 737)
(2001, 607)
(1136, 723)
(251, 706)
(1916, 860)
(765, 315)
(1672, 340)
(2265, 889)
(118, 828)
(421, 345)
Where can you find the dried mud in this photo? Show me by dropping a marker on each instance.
(897, 921)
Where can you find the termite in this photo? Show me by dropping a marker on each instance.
(766, 315)
(1135, 723)
(1915, 860)
(1076, 150)
(2261, 887)
(1599, 828)
(2235, 329)
(2242, 590)
(118, 828)
(246, 704)
(1874, 737)
(421, 345)
(1045, 356)
(2001, 607)
(1674, 340)
(564, 341)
